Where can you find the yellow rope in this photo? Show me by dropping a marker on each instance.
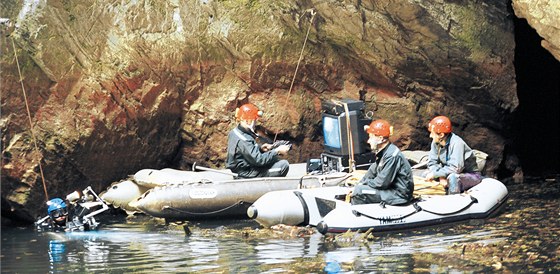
(297, 66)
(30, 121)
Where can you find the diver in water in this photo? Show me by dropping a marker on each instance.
(75, 214)
(57, 213)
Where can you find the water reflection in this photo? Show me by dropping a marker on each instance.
(57, 253)
(130, 247)
(395, 253)
(232, 248)
(279, 251)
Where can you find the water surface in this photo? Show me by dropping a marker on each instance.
(524, 236)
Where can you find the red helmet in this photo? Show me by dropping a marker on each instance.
(380, 128)
(440, 124)
(247, 112)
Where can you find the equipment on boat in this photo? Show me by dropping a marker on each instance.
(345, 141)
(478, 202)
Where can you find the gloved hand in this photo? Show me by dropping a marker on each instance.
(280, 143)
(283, 149)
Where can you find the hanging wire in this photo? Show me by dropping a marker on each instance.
(30, 121)
(299, 61)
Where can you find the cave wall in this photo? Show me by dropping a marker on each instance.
(114, 87)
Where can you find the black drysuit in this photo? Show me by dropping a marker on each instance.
(389, 179)
(245, 158)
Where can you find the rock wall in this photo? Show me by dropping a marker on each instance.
(543, 17)
(114, 87)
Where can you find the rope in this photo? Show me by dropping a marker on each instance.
(238, 203)
(388, 219)
(473, 201)
(299, 61)
(30, 121)
(199, 49)
(418, 209)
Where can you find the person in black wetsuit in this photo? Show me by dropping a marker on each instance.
(245, 156)
(389, 179)
(76, 213)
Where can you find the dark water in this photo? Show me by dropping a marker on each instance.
(524, 237)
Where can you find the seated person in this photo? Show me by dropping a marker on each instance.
(245, 156)
(389, 179)
(451, 161)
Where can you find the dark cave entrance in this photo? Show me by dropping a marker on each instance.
(536, 124)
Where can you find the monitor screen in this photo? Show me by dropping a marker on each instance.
(331, 132)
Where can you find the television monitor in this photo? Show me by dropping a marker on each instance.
(331, 132)
(335, 133)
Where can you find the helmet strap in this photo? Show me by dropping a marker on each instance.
(443, 139)
(248, 124)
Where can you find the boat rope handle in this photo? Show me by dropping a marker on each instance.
(418, 209)
(388, 219)
(203, 213)
(473, 201)
(313, 12)
(30, 121)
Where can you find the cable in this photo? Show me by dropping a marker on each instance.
(30, 122)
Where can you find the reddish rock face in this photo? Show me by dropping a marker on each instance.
(128, 87)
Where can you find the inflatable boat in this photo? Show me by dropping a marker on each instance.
(327, 209)
(478, 202)
(183, 198)
(120, 194)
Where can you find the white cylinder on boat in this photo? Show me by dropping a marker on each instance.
(277, 207)
(120, 194)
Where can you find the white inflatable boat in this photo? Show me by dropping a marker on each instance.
(326, 209)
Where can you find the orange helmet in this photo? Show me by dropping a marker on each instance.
(247, 112)
(380, 128)
(440, 124)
